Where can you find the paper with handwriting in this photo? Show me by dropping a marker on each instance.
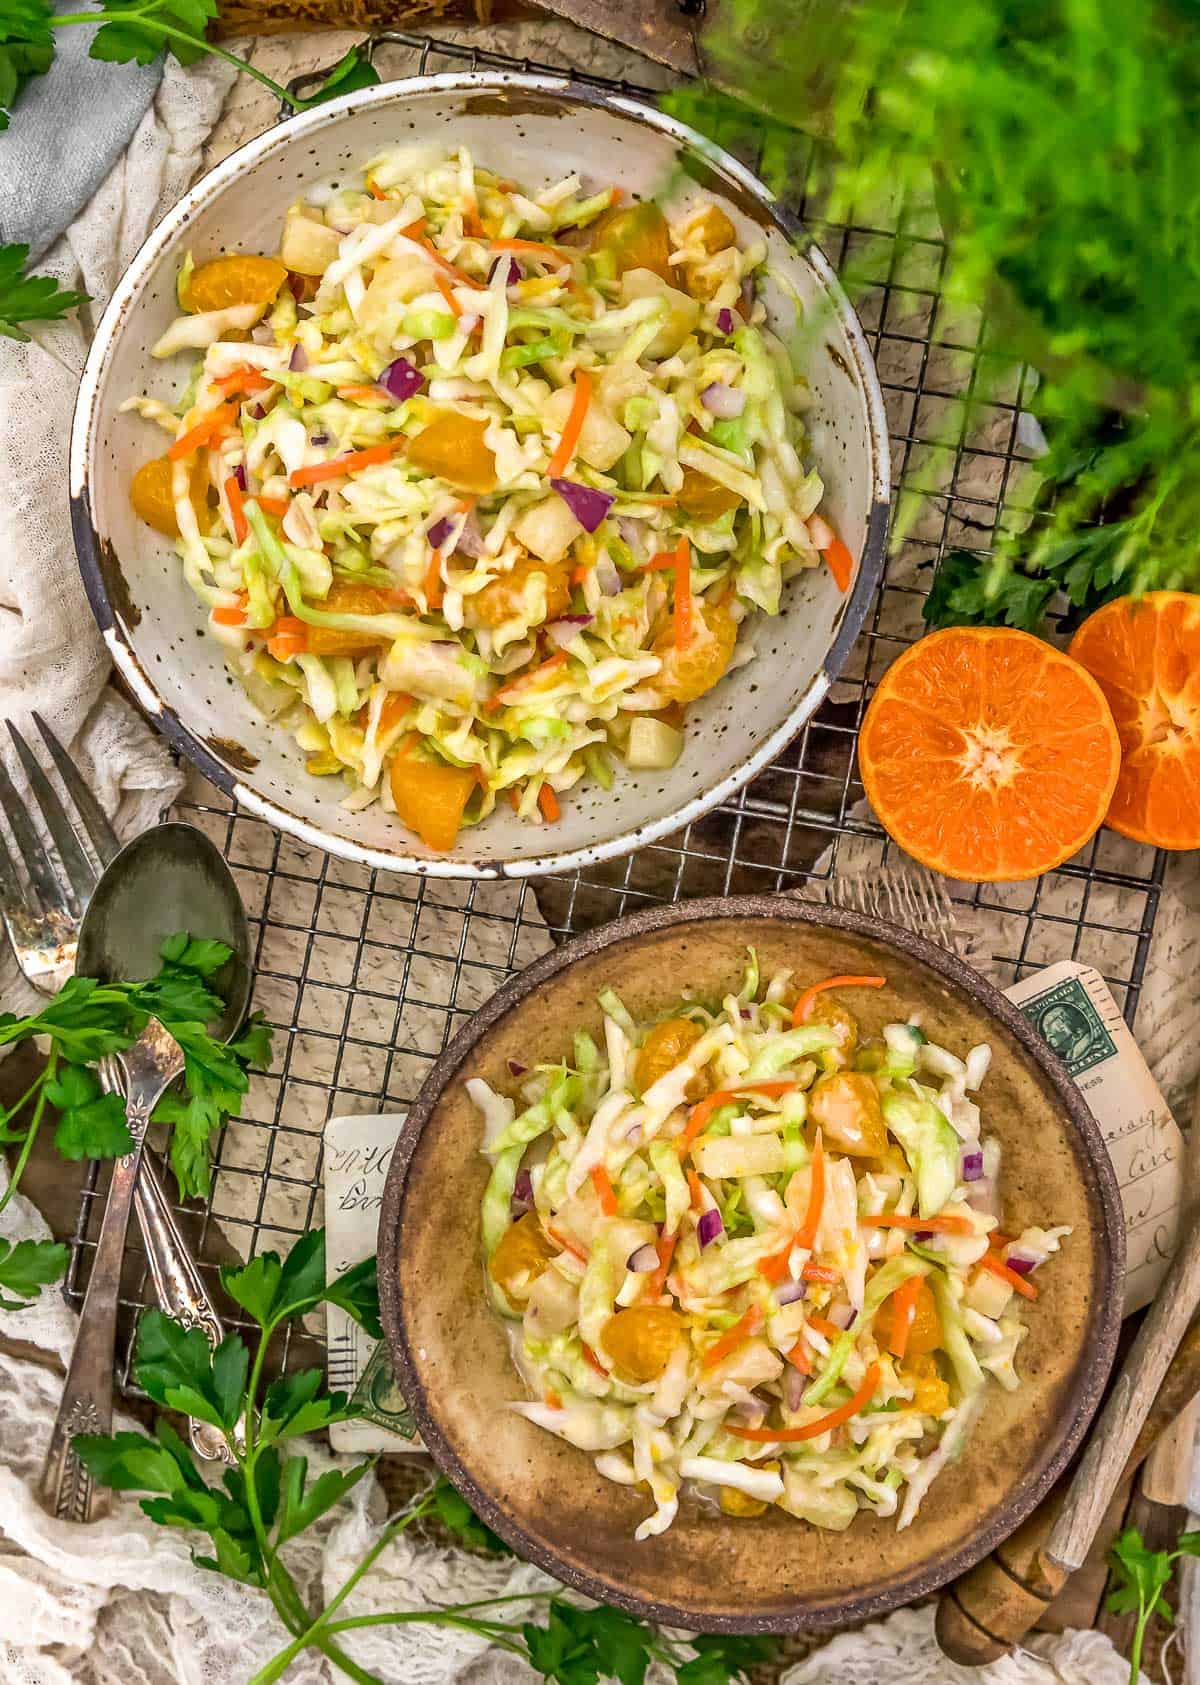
(358, 1151)
(1071, 1006)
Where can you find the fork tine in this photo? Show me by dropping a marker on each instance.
(81, 874)
(93, 817)
(14, 903)
(47, 886)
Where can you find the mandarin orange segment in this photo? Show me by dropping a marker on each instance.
(988, 755)
(430, 798)
(452, 447)
(687, 674)
(1145, 655)
(637, 236)
(504, 598)
(154, 501)
(348, 598)
(240, 279)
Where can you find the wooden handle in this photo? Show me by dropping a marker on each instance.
(991, 1608)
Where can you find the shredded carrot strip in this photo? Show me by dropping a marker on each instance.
(822, 1325)
(818, 1272)
(704, 1109)
(823, 1424)
(602, 1182)
(840, 563)
(538, 246)
(243, 379)
(552, 1399)
(203, 433)
(574, 426)
(774, 1266)
(695, 1189)
(1018, 1283)
(237, 509)
(447, 291)
(666, 1251)
(374, 189)
(286, 638)
(798, 1357)
(351, 464)
(683, 595)
(548, 802)
(804, 1005)
(745, 1328)
(590, 1358)
(663, 562)
(920, 1225)
(499, 697)
(807, 1232)
(904, 1310)
(363, 394)
(277, 506)
(431, 250)
(579, 574)
(229, 616)
(433, 582)
(567, 1244)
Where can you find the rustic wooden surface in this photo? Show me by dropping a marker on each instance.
(277, 17)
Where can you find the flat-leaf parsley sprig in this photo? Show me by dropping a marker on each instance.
(267, 1499)
(87, 1020)
(1140, 1576)
(28, 298)
(135, 32)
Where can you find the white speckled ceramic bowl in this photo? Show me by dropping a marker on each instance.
(535, 128)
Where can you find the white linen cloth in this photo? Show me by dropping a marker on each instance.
(119, 1602)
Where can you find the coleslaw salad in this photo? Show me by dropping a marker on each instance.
(479, 487)
(743, 1250)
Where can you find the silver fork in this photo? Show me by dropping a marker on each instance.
(43, 918)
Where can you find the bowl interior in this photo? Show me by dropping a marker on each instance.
(710, 1571)
(536, 130)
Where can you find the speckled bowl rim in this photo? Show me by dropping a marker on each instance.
(1085, 1396)
(89, 545)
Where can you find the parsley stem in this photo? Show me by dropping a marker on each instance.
(39, 1083)
(494, 1631)
(154, 27)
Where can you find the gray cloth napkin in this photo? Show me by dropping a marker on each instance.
(67, 131)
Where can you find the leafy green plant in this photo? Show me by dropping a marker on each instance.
(135, 32)
(87, 1020)
(29, 298)
(1060, 143)
(267, 1499)
(1140, 1576)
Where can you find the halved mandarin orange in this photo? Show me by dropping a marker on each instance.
(240, 279)
(1144, 653)
(988, 755)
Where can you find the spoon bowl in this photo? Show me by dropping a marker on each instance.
(169, 879)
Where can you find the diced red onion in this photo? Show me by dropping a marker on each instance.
(565, 631)
(923, 1235)
(514, 270)
(725, 402)
(296, 287)
(709, 1227)
(725, 321)
(470, 538)
(608, 577)
(588, 506)
(793, 1387)
(257, 412)
(239, 475)
(523, 1188)
(751, 1412)
(516, 1070)
(642, 1259)
(318, 439)
(298, 361)
(789, 1291)
(1023, 1262)
(979, 1195)
(439, 532)
(972, 1165)
(401, 380)
(262, 333)
(842, 1316)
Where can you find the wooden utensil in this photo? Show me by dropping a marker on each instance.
(993, 1606)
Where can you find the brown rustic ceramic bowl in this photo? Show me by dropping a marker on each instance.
(712, 1572)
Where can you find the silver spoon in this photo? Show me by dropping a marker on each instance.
(169, 879)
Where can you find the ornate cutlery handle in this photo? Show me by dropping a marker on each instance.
(67, 1490)
(179, 1287)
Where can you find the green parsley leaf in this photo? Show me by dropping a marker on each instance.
(179, 1368)
(295, 1404)
(26, 1267)
(273, 1290)
(137, 30)
(91, 1123)
(457, 1517)
(354, 70)
(253, 1044)
(300, 1506)
(721, 1657)
(25, 298)
(199, 954)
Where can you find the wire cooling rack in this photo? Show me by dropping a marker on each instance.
(366, 975)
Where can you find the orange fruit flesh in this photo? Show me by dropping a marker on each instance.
(452, 447)
(638, 238)
(988, 755)
(430, 798)
(1145, 656)
(227, 281)
(346, 598)
(152, 499)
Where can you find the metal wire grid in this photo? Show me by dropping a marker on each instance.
(366, 976)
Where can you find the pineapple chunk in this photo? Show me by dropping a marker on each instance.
(681, 318)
